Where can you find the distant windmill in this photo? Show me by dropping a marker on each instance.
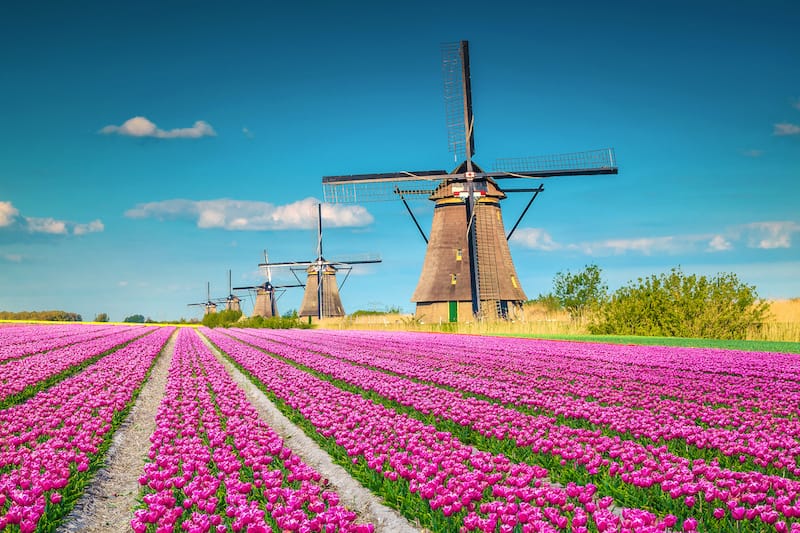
(267, 294)
(468, 264)
(232, 302)
(321, 298)
(209, 305)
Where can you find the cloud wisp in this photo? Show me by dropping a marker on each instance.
(786, 128)
(244, 215)
(12, 222)
(770, 235)
(759, 235)
(142, 127)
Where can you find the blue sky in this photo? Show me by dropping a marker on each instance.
(148, 147)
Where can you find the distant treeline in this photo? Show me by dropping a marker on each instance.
(65, 316)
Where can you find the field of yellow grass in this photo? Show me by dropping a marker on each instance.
(782, 323)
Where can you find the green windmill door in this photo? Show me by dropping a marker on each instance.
(453, 311)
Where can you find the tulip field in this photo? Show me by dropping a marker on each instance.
(458, 433)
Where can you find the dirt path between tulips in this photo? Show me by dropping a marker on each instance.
(107, 503)
(352, 494)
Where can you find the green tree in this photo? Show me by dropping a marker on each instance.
(222, 319)
(136, 319)
(101, 317)
(682, 305)
(581, 292)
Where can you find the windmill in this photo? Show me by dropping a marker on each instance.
(209, 305)
(468, 265)
(232, 302)
(266, 299)
(321, 298)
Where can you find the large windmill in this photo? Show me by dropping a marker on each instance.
(321, 298)
(267, 294)
(468, 269)
(209, 305)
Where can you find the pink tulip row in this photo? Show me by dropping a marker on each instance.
(49, 338)
(17, 375)
(680, 373)
(754, 424)
(11, 334)
(751, 494)
(216, 464)
(453, 478)
(61, 429)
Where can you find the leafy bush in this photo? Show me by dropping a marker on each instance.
(581, 292)
(222, 319)
(681, 305)
(230, 318)
(275, 322)
(55, 315)
(135, 319)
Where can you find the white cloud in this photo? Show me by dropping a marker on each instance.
(230, 214)
(92, 227)
(796, 104)
(763, 235)
(14, 258)
(142, 127)
(753, 153)
(46, 225)
(786, 128)
(247, 133)
(535, 239)
(7, 214)
(642, 245)
(122, 283)
(11, 219)
(718, 243)
(769, 235)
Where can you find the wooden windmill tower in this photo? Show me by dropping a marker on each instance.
(232, 302)
(321, 298)
(468, 271)
(266, 294)
(209, 305)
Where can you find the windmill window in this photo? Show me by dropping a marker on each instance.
(452, 279)
(458, 254)
(514, 282)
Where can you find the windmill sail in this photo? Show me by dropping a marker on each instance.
(209, 305)
(468, 271)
